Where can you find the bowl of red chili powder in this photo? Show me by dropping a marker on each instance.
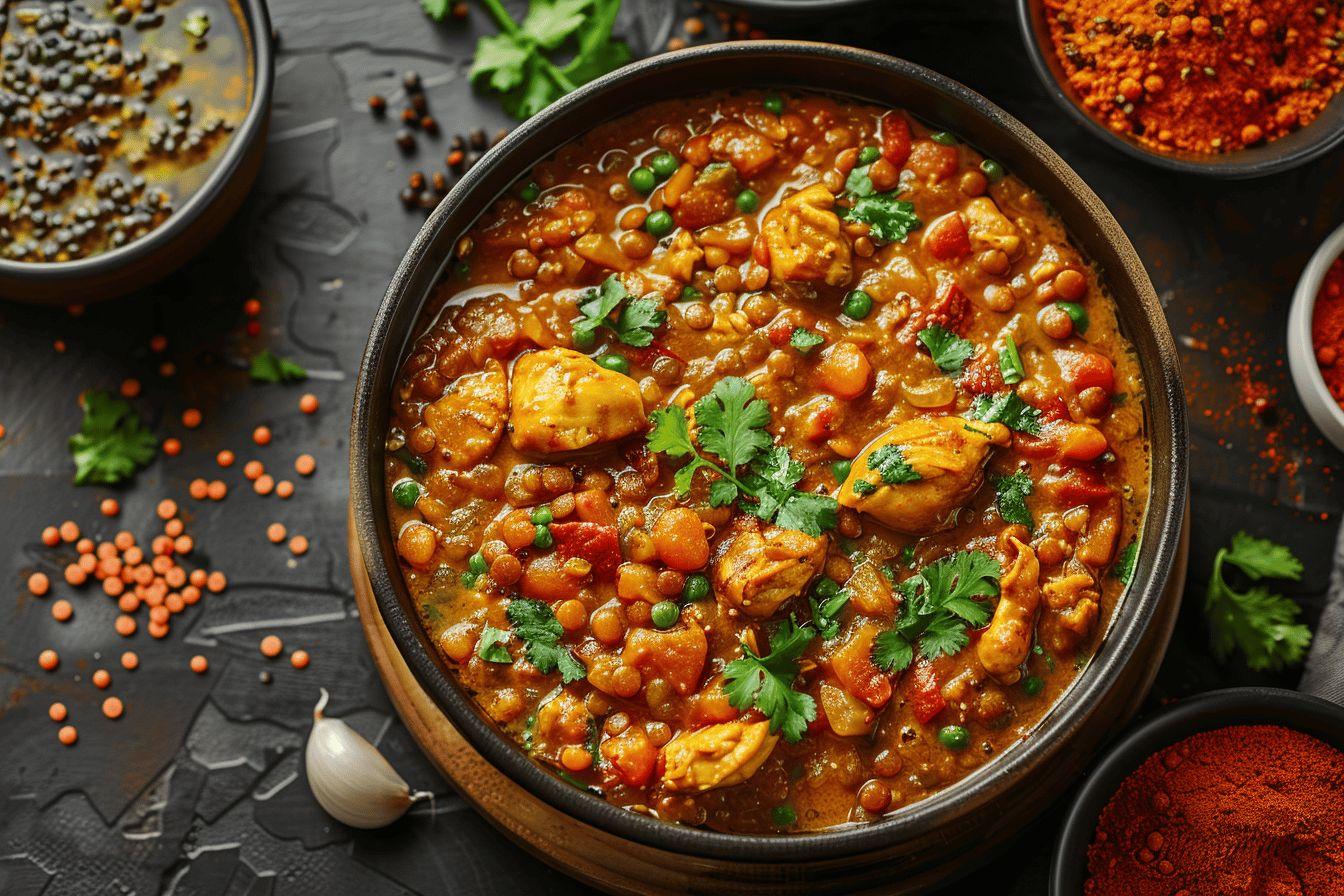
(1316, 338)
(1232, 792)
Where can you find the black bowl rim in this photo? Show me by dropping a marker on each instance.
(1158, 547)
(1271, 158)
(789, 7)
(1202, 712)
(255, 21)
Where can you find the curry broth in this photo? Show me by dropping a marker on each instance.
(515, 289)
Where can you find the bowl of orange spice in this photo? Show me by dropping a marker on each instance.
(1223, 88)
(1316, 338)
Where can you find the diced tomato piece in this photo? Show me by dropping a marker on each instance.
(598, 543)
(1083, 370)
(632, 755)
(780, 332)
(1077, 485)
(594, 506)
(1053, 408)
(923, 692)
(645, 357)
(949, 306)
(946, 238)
(853, 665)
(933, 161)
(895, 138)
(982, 375)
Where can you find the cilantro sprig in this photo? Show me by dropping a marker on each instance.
(112, 443)
(948, 350)
(826, 610)
(731, 426)
(492, 645)
(1258, 622)
(766, 682)
(939, 603)
(635, 321)
(1011, 499)
(889, 220)
(268, 367)
(536, 626)
(804, 340)
(1008, 409)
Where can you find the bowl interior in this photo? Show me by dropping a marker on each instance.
(1321, 406)
(1301, 146)
(1218, 709)
(804, 66)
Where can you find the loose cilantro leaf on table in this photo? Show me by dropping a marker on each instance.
(491, 645)
(536, 626)
(1011, 502)
(1010, 362)
(948, 350)
(635, 321)
(804, 340)
(766, 683)
(940, 602)
(1258, 622)
(111, 443)
(268, 367)
(1008, 409)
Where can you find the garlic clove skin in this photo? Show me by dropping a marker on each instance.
(353, 782)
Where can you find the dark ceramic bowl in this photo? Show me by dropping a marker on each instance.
(1218, 709)
(988, 806)
(1297, 148)
(191, 227)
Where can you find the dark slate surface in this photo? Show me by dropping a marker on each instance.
(199, 788)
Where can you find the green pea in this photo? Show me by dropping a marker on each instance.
(542, 516)
(530, 192)
(613, 361)
(747, 201)
(583, 339)
(659, 224)
(858, 304)
(774, 103)
(665, 613)
(840, 469)
(954, 737)
(784, 816)
(944, 137)
(642, 179)
(664, 165)
(992, 169)
(543, 539)
(690, 294)
(476, 563)
(696, 587)
(406, 493)
(1077, 313)
(1033, 685)
(869, 154)
(826, 588)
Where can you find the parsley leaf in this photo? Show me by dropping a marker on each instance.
(1012, 499)
(1008, 409)
(766, 683)
(773, 480)
(889, 219)
(889, 463)
(491, 647)
(1010, 362)
(826, 611)
(939, 603)
(1258, 622)
(268, 367)
(111, 443)
(1125, 563)
(536, 626)
(635, 323)
(804, 340)
(948, 350)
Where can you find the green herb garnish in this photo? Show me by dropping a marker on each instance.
(766, 683)
(826, 610)
(536, 626)
(491, 645)
(889, 463)
(1257, 621)
(1125, 563)
(635, 320)
(889, 220)
(268, 367)
(112, 443)
(804, 340)
(1008, 409)
(948, 350)
(939, 604)
(1011, 502)
(1010, 363)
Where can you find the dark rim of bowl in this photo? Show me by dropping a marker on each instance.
(793, 6)
(255, 23)
(1203, 712)
(1312, 141)
(413, 282)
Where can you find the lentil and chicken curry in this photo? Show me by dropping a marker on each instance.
(767, 463)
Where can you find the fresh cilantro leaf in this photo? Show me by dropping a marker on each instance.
(773, 482)
(892, 651)
(636, 321)
(1125, 563)
(730, 422)
(1008, 409)
(268, 367)
(889, 219)
(863, 488)
(889, 463)
(858, 184)
(939, 603)
(825, 613)
(766, 683)
(111, 443)
(944, 635)
(804, 340)
(491, 645)
(1012, 499)
(436, 9)
(551, 22)
(948, 350)
(501, 61)
(1010, 362)
(1258, 622)
(536, 626)
(598, 53)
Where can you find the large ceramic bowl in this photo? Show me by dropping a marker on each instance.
(925, 842)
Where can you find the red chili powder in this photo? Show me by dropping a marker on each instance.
(1252, 810)
(1327, 329)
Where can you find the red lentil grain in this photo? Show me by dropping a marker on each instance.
(262, 435)
(113, 707)
(130, 388)
(199, 664)
(51, 536)
(109, 507)
(308, 403)
(275, 532)
(69, 532)
(284, 489)
(217, 490)
(48, 659)
(124, 540)
(130, 660)
(61, 611)
(264, 484)
(305, 464)
(75, 576)
(298, 545)
(191, 418)
(173, 528)
(38, 584)
(57, 712)
(172, 447)
(102, 679)
(68, 735)
(216, 582)
(299, 659)
(271, 646)
(167, 509)
(225, 458)
(85, 545)
(253, 469)
(125, 626)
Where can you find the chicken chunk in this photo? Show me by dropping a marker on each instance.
(563, 401)
(803, 239)
(469, 419)
(1004, 645)
(717, 756)
(916, 475)
(758, 567)
(989, 228)
(1074, 604)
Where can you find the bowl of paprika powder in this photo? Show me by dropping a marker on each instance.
(1233, 791)
(1316, 338)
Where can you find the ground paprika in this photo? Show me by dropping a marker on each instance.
(1327, 330)
(1248, 810)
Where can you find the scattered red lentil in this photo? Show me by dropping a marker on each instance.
(48, 659)
(308, 403)
(61, 611)
(167, 509)
(74, 575)
(271, 646)
(275, 532)
(167, 369)
(125, 626)
(158, 343)
(198, 489)
(252, 307)
(69, 531)
(85, 545)
(130, 388)
(191, 418)
(217, 490)
(173, 528)
(130, 660)
(68, 735)
(299, 659)
(172, 447)
(253, 469)
(305, 464)
(262, 435)
(102, 679)
(216, 582)
(225, 458)
(113, 707)
(298, 545)
(199, 664)
(38, 584)
(51, 536)
(264, 484)
(56, 712)
(109, 507)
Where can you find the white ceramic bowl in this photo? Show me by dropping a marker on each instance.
(1321, 406)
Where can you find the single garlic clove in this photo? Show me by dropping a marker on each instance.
(352, 781)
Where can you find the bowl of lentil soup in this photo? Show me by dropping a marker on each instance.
(131, 134)
(1237, 91)
(744, 585)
